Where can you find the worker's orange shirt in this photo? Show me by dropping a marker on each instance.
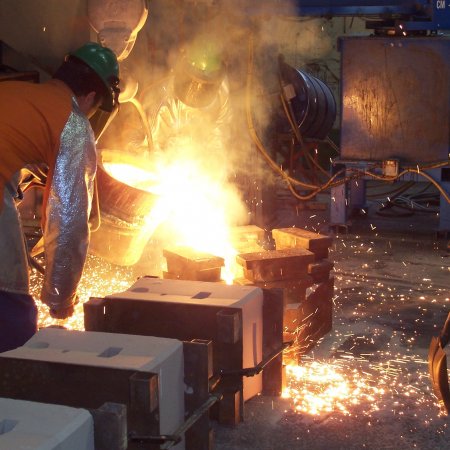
(32, 117)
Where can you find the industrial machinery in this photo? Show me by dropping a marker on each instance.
(395, 108)
(387, 16)
(395, 118)
(395, 100)
(381, 134)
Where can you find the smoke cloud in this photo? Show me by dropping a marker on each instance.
(250, 39)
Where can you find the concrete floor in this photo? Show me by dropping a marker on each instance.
(392, 294)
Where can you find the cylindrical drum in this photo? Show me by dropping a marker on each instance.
(313, 104)
(125, 201)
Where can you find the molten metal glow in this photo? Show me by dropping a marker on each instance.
(99, 280)
(194, 208)
(317, 388)
(131, 175)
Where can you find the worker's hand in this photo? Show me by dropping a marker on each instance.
(65, 312)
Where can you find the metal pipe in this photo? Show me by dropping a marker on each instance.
(169, 440)
(252, 371)
(144, 121)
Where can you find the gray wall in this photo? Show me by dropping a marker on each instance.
(43, 31)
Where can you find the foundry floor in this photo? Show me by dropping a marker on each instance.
(392, 294)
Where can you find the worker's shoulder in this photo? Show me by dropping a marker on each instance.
(52, 90)
(49, 98)
(45, 106)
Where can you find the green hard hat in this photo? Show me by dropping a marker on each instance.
(199, 73)
(204, 59)
(100, 59)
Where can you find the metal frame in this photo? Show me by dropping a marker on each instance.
(351, 195)
(222, 326)
(412, 15)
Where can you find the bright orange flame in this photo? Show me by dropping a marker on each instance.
(131, 175)
(195, 208)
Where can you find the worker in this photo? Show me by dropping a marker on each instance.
(48, 124)
(192, 102)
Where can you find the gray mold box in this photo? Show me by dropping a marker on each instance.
(395, 98)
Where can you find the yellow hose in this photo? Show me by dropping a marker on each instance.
(330, 183)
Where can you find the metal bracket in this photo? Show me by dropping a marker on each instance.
(252, 371)
(169, 440)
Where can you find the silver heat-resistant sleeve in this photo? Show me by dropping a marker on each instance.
(66, 233)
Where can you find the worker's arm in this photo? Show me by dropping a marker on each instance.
(66, 232)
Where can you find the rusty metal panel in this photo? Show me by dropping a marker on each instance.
(395, 98)
(197, 369)
(275, 265)
(298, 238)
(185, 263)
(293, 290)
(110, 427)
(273, 336)
(316, 315)
(320, 271)
(309, 320)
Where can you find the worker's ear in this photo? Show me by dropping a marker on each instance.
(88, 104)
(91, 97)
